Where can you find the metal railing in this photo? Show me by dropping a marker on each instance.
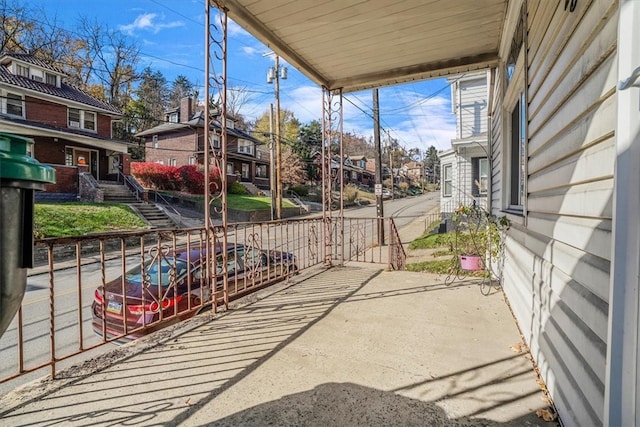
(166, 203)
(72, 295)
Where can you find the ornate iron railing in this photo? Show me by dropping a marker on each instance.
(74, 293)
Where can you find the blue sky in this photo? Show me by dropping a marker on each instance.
(170, 34)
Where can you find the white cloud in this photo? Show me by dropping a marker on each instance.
(250, 50)
(145, 22)
(416, 120)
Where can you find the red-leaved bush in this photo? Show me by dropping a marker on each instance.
(189, 178)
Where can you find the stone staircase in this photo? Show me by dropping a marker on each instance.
(149, 212)
(251, 188)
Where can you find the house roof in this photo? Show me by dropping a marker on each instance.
(65, 91)
(32, 129)
(356, 45)
(30, 59)
(197, 121)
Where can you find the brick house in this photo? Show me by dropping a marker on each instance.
(71, 129)
(179, 141)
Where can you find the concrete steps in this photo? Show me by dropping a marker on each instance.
(153, 215)
(149, 212)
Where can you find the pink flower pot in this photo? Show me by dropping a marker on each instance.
(470, 262)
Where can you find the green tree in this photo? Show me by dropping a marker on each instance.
(432, 165)
(181, 87)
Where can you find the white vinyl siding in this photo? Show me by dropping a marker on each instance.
(556, 273)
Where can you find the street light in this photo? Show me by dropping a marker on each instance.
(276, 73)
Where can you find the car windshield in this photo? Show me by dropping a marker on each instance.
(157, 271)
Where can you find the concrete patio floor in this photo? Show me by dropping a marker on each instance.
(348, 346)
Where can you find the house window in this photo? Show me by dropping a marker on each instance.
(89, 120)
(214, 140)
(173, 118)
(68, 156)
(21, 70)
(154, 141)
(173, 162)
(447, 179)
(192, 160)
(37, 75)
(82, 119)
(52, 79)
(261, 171)
(245, 146)
(245, 170)
(14, 105)
(74, 118)
(517, 165)
(515, 119)
(480, 172)
(229, 168)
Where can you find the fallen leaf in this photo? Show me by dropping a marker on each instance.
(546, 415)
(517, 348)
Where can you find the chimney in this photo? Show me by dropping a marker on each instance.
(186, 109)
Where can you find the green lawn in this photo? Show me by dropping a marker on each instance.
(77, 219)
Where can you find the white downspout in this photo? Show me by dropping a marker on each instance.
(622, 382)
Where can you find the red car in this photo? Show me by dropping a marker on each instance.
(171, 286)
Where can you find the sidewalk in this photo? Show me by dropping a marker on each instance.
(348, 346)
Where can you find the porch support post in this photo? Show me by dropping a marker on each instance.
(218, 157)
(622, 382)
(331, 117)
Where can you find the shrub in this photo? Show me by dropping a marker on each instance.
(300, 190)
(237, 188)
(155, 175)
(192, 179)
(403, 186)
(350, 192)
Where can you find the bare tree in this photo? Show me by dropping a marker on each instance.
(109, 57)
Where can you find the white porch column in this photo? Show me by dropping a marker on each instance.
(622, 386)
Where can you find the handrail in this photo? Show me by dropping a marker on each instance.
(132, 184)
(166, 202)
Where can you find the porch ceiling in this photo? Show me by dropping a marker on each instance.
(360, 44)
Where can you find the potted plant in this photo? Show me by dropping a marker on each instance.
(479, 236)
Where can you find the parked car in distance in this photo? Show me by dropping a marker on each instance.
(386, 194)
(172, 286)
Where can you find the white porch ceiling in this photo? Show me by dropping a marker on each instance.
(360, 44)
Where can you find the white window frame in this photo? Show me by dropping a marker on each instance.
(6, 102)
(154, 141)
(515, 96)
(214, 139)
(483, 165)
(82, 119)
(447, 178)
(173, 118)
(51, 79)
(21, 70)
(515, 84)
(245, 146)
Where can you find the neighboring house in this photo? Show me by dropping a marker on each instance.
(179, 141)
(354, 168)
(414, 172)
(72, 130)
(465, 168)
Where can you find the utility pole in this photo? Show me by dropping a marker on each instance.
(272, 160)
(376, 140)
(275, 73)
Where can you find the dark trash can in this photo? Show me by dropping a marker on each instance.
(20, 176)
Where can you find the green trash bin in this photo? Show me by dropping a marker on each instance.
(20, 176)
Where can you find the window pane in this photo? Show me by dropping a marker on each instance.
(483, 175)
(51, 79)
(447, 171)
(74, 117)
(14, 104)
(89, 120)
